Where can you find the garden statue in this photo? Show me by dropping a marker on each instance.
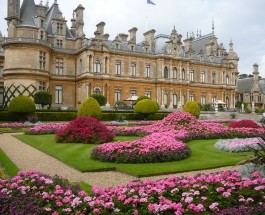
(253, 107)
(242, 108)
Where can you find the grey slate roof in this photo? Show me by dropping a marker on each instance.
(245, 85)
(28, 13)
(200, 43)
(262, 87)
(51, 14)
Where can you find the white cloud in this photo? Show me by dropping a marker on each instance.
(239, 20)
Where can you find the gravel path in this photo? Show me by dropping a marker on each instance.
(29, 158)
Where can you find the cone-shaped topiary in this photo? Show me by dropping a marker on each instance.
(90, 107)
(102, 100)
(193, 108)
(84, 130)
(22, 104)
(146, 107)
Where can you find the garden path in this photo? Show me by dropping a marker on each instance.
(28, 158)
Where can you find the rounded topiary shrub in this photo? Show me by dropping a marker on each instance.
(43, 98)
(22, 104)
(84, 130)
(193, 108)
(90, 107)
(100, 99)
(142, 98)
(244, 124)
(146, 107)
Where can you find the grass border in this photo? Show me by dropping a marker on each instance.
(10, 168)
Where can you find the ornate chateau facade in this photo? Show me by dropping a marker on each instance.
(42, 53)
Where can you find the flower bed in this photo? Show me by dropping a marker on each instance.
(244, 124)
(157, 147)
(46, 128)
(219, 193)
(14, 125)
(238, 145)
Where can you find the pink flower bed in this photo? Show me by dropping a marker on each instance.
(156, 147)
(12, 125)
(219, 193)
(47, 128)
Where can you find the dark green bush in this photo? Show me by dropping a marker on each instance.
(56, 116)
(193, 108)
(22, 104)
(43, 98)
(90, 107)
(100, 99)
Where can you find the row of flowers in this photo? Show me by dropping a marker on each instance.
(219, 193)
(156, 147)
(239, 145)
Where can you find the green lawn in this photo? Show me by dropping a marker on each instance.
(10, 168)
(204, 156)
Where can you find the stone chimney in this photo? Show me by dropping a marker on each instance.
(188, 43)
(123, 37)
(149, 37)
(133, 35)
(100, 28)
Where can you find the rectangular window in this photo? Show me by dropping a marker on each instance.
(175, 100)
(59, 43)
(59, 28)
(213, 78)
(133, 92)
(1, 96)
(148, 93)
(213, 99)
(174, 73)
(59, 66)
(147, 71)
(117, 95)
(191, 76)
(42, 59)
(251, 97)
(118, 68)
(133, 69)
(192, 97)
(203, 99)
(42, 23)
(42, 35)
(42, 85)
(259, 98)
(58, 94)
(203, 77)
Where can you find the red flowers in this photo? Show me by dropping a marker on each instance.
(244, 124)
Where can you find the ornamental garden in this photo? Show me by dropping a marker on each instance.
(177, 143)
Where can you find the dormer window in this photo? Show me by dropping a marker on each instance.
(59, 43)
(132, 48)
(59, 28)
(42, 23)
(117, 46)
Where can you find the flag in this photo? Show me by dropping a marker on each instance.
(150, 2)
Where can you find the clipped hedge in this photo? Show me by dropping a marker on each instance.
(90, 107)
(56, 116)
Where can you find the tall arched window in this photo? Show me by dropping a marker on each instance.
(97, 66)
(227, 79)
(165, 72)
(175, 73)
(97, 91)
(183, 74)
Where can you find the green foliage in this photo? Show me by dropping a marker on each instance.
(10, 168)
(141, 98)
(146, 107)
(100, 99)
(120, 118)
(233, 115)
(206, 107)
(90, 107)
(22, 104)
(43, 98)
(56, 116)
(238, 104)
(193, 108)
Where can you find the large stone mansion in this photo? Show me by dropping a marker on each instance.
(42, 53)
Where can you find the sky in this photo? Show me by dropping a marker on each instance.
(242, 21)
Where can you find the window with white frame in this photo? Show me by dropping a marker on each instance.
(97, 66)
(191, 75)
(42, 59)
(213, 99)
(118, 68)
(203, 99)
(174, 73)
(192, 97)
(259, 98)
(133, 92)
(97, 91)
(148, 93)
(203, 77)
(147, 71)
(58, 94)
(175, 100)
(133, 69)
(117, 95)
(59, 66)
(42, 85)
(227, 80)
(165, 72)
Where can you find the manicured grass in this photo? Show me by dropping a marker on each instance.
(10, 168)
(13, 130)
(204, 156)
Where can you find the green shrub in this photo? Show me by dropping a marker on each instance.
(206, 107)
(43, 98)
(193, 108)
(90, 107)
(56, 116)
(141, 98)
(100, 99)
(146, 107)
(22, 104)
